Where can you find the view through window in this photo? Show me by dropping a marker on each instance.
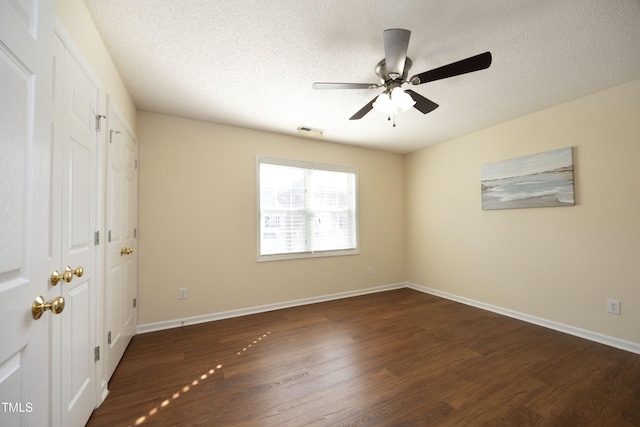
(306, 209)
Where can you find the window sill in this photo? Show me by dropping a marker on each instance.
(304, 255)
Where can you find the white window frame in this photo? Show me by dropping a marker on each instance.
(304, 165)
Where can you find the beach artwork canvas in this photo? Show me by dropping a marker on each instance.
(535, 181)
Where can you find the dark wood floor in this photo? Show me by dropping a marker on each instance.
(398, 358)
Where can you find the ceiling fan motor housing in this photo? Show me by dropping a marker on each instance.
(385, 78)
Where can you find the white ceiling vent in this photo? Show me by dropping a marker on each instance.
(306, 130)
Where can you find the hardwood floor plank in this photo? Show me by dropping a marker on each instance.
(397, 358)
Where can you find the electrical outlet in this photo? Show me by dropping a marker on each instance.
(182, 293)
(613, 306)
(369, 271)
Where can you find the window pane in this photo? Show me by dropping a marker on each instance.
(332, 231)
(281, 187)
(332, 206)
(283, 232)
(305, 209)
(330, 190)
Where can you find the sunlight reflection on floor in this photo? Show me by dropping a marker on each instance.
(195, 382)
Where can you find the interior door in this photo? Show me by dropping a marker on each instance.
(120, 284)
(26, 34)
(75, 106)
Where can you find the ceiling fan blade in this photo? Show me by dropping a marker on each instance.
(396, 42)
(474, 63)
(364, 110)
(326, 85)
(422, 104)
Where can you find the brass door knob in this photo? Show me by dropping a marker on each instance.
(78, 272)
(55, 277)
(66, 276)
(39, 306)
(126, 251)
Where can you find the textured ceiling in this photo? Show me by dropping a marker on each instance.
(252, 63)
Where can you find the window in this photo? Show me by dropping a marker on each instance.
(306, 209)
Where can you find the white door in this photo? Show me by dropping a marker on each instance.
(75, 105)
(26, 37)
(121, 265)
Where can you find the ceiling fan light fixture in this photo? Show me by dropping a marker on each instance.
(383, 103)
(401, 99)
(393, 102)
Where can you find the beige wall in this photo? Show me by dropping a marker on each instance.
(197, 216)
(197, 213)
(73, 14)
(560, 264)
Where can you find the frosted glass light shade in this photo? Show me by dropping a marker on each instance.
(383, 103)
(401, 99)
(393, 103)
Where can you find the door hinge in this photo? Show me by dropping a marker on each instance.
(98, 122)
(135, 232)
(109, 237)
(111, 132)
(109, 338)
(97, 240)
(135, 302)
(135, 163)
(96, 353)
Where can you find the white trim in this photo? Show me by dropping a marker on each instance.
(105, 393)
(185, 321)
(301, 255)
(305, 164)
(560, 327)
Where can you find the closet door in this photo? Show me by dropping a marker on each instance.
(76, 105)
(121, 223)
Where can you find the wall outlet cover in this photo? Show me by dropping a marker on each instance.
(613, 306)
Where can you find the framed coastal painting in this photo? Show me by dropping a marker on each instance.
(534, 181)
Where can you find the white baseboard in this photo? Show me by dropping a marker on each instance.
(567, 329)
(176, 323)
(105, 393)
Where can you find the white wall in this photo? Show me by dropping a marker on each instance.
(559, 264)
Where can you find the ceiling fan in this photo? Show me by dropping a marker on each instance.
(392, 72)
